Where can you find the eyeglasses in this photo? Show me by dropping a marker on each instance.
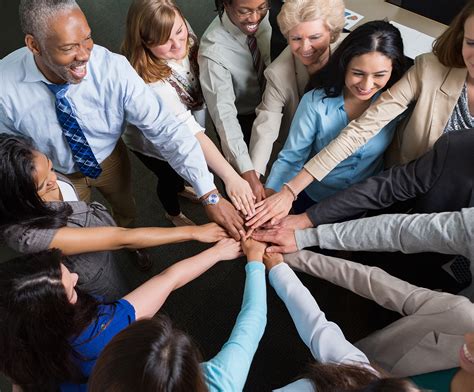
(247, 13)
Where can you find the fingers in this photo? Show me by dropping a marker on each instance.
(277, 249)
(263, 236)
(259, 219)
(236, 202)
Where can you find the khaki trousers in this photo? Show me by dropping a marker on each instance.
(114, 183)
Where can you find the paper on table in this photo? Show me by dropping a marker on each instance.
(352, 18)
(414, 42)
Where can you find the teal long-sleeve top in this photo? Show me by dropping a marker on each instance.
(228, 370)
(317, 121)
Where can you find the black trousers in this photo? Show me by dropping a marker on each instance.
(169, 182)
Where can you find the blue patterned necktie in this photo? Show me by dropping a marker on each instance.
(258, 63)
(82, 153)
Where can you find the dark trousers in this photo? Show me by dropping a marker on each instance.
(246, 123)
(169, 182)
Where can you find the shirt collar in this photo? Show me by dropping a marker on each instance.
(233, 30)
(33, 73)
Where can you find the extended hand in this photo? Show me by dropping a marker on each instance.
(294, 222)
(283, 239)
(227, 249)
(210, 232)
(241, 195)
(224, 214)
(272, 209)
(272, 259)
(253, 249)
(251, 177)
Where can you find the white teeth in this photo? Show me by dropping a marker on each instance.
(467, 354)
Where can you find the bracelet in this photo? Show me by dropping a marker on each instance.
(295, 195)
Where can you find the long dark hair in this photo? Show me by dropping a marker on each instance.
(374, 36)
(328, 377)
(149, 356)
(37, 322)
(19, 200)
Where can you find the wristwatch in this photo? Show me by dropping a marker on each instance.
(211, 199)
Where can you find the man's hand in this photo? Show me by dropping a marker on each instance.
(225, 214)
(272, 259)
(252, 177)
(284, 240)
(294, 222)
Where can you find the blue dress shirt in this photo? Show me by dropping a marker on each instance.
(110, 95)
(317, 121)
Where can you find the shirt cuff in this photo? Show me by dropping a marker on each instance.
(316, 168)
(204, 185)
(306, 238)
(254, 266)
(278, 269)
(243, 163)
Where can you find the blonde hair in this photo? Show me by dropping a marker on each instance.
(294, 12)
(149, 23)
(448, 46)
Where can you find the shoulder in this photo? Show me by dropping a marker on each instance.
(428, 66)
(106, 65)
(24, 239)
(12, 68)
(284, 63)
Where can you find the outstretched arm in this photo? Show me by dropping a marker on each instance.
(228, 370)
(445, 232)
(324, 338)
(237, 188)
(73, 240)
(150, 296)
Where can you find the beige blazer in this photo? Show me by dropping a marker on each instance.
(426, 339)
(435, 89)
(286, 79)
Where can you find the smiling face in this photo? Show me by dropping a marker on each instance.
(468, 46)
(309, 42)
(366, 74)
(176, 46)
(69, 281)
(44, 176)
(62, 56)
(466, 354)
(246, 14)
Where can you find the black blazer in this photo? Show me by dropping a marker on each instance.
(440, 180)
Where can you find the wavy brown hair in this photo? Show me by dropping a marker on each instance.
(448, 46)
(329, 377)
(149, 23)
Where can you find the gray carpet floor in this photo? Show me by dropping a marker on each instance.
(207, 307)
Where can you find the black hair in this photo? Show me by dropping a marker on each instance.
(220, 6)
(374, 36)
(37, 322)
(19, 200)
(149, 356)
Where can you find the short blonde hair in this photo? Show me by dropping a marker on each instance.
(448, 46)
(294, 12)
(149, 23)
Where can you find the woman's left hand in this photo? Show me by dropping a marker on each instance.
(241, 195)
(273, 208)
(210, 232)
